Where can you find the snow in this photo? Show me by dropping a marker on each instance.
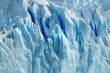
(54, 36)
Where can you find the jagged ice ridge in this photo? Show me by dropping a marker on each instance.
(54, 36)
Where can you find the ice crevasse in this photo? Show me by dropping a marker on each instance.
(54, 36)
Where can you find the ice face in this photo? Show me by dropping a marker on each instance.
(54, 36)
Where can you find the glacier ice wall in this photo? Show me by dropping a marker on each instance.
(54, 36)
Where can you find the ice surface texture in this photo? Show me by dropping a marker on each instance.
(54, 36)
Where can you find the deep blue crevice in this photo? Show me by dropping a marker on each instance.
(95, 31)
(81, 47)
(81, 14)
(62, 24)
(47, 22)
(76, 28)
(31, 15)
(59, 51)
(60, 19)
(79, 38)
(83, 66)
(42, 28)
(57, 47)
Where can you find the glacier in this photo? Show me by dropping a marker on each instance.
(54, 36)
